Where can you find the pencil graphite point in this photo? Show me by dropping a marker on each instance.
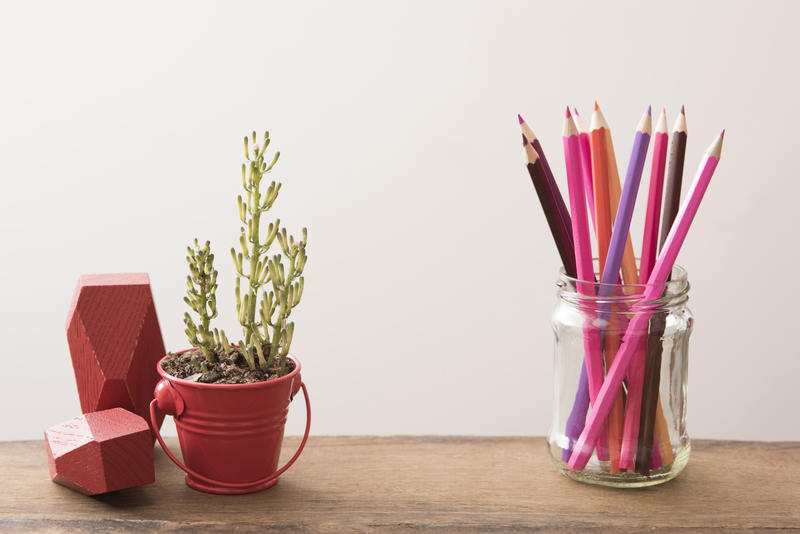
(649, 110)
(575, 112)
(683, 111)
(722, 135)
(521, 120)
(595, 105)
(568, 114)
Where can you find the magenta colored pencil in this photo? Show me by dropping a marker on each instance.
(637, 328)
(633, 404)
(650, 240)
(586, 165)
(593, 354)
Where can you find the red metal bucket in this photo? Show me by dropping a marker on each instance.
(230, 434)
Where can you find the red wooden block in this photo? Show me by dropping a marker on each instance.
(115, 342)
(101, 452)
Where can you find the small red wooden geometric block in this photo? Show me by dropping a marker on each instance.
(115, 342)
(101, 452)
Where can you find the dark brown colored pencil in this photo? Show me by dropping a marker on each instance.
(652, 367)
(672, 192)
(558, 226)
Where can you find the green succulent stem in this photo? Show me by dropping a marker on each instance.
(201, 298)
(272, 289)
(252, 205)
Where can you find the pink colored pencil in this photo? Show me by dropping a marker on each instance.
(593, 354)
(636, 372)
(586, 164)
(637, 328)
(659, 163)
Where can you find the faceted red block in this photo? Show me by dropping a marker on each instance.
(101, 452)
(115, 342)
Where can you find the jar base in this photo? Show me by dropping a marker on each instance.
(627, 479)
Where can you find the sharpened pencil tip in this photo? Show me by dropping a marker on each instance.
(595, 105)
(649, 110)
(722, 135)
(683, 111)
(568, 114)
(575, 112)
(521, 120)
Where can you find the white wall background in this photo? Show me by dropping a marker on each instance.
(431, 273)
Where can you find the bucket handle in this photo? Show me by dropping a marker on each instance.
(233, 485)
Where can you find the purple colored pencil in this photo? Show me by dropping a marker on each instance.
(622, 224)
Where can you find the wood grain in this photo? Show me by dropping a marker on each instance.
(423, 484)
(115, 342)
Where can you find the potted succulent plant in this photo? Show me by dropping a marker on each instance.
(230, 401)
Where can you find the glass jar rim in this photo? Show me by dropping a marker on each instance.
(676, 286)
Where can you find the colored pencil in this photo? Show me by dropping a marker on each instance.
(557, 199)
(586, 164)
(548, 195)
(633, 406)
(637, 328)
(619, 238)
(672, 193)
(650, 237)
(593, 357)
(651, 415)
(602, 205)
(629, 273)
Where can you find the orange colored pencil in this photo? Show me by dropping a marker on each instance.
(598, 138)
(616, 417)
(602, 203)
(630, 274)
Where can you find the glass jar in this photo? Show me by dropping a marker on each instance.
(643, 440)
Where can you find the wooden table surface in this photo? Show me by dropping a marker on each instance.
(423, 484)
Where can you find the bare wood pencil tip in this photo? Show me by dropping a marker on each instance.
(645, 123)
(680, 122)
(715, 150)
(661, 125)
(531, 156)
